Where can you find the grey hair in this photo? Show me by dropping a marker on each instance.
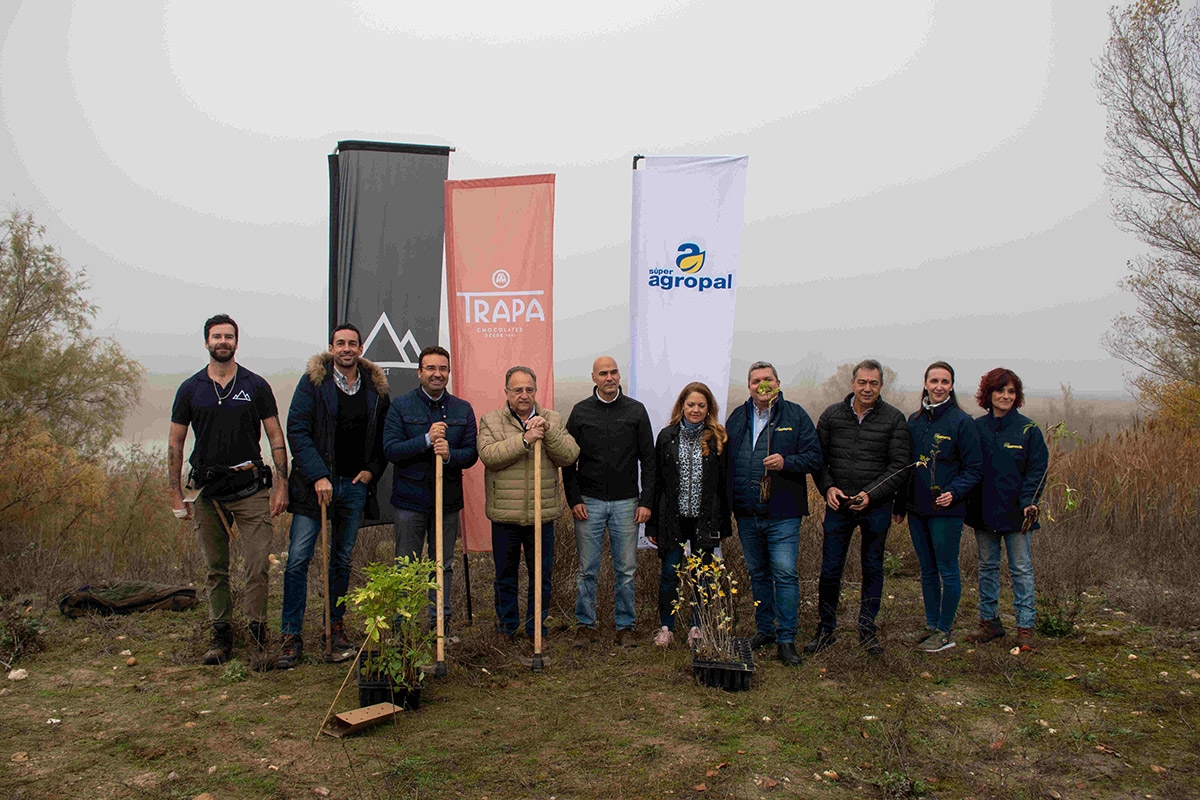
(867, 364)
(518, 368)
(761, 365)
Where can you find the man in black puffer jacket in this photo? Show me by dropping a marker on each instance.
(866, 447)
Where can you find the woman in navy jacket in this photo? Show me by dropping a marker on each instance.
(946, 440)
(1015, 459)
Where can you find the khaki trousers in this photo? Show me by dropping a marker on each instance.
(253, 518)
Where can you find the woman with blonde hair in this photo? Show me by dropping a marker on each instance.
(691, 501)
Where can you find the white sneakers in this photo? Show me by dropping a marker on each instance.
(663, 637)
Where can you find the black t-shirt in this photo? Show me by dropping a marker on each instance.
(226, 419)
(350, 451)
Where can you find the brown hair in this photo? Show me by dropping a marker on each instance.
(939, 365)
(713, 430)
(994, 381)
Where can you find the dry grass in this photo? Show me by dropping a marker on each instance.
(606, 722)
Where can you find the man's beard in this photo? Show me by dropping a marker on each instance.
(221, 355)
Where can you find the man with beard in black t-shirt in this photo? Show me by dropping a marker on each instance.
(227, 407)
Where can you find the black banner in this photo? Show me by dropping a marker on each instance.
(386, 230)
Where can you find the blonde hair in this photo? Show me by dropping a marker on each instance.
(713, 430)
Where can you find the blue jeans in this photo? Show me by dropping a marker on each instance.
(771, 548)
(936, 541)
(508, 541)
(345, 511)
(668, 583)
(617, 516)
(414, 533)
(839, 530)
(1020, 568)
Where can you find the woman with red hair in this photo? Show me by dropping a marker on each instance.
(691, 501)
(1003, 507)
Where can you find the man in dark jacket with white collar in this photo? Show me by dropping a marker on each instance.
(334, 427)
(867, 447)
(614, 437)
(429, 422)
(772, 447)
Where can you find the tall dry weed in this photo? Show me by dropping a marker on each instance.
(1134, 531)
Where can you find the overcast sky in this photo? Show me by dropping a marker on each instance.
(924, 177)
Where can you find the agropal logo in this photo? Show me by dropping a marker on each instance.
(503, 306)
(690, 262)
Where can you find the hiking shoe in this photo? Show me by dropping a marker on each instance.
(625, 638)
(937, 642)
(788, 655)
(222, 645)
(663, 637)
(761, 640)
(258, 635)
(585, 636)
(1025, 636)
(291, 652)
(819, 642)
(918, 636)
(338, 636)
(693, 637)
(988, 630)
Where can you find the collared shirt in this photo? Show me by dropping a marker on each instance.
(759, 421)
(345, 385)
(440, 400)
(606, 402)
(513, 411)
(863, 415)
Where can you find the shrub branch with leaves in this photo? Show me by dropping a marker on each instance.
(393, 602)
(708, 595)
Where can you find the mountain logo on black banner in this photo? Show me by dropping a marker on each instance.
(407, 351)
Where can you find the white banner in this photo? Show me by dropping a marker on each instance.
(687, 239)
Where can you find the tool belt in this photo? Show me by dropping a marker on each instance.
(231, 483)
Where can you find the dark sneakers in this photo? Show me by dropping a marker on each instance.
(291, 653)
(988, 630)
(222, 645)
(819, 642)
(760, 640)
(788, 655)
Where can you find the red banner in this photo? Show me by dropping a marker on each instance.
(500, 290)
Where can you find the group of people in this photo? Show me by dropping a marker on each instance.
(688, 486)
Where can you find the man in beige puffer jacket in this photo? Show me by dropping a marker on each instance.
(506, 441)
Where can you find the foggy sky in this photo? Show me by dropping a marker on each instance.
(924, 177)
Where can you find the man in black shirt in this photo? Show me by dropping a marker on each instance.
(614, 437)
(227, 407)
(335, 429)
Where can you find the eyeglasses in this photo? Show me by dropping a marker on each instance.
(519, 390)
(435, 368)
